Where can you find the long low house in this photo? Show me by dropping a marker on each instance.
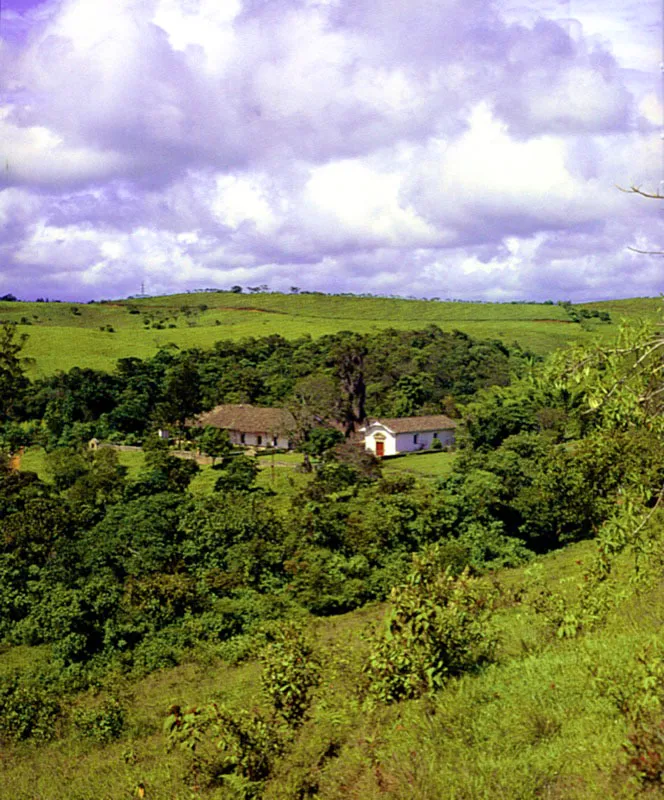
(253, 426)
(389, 437)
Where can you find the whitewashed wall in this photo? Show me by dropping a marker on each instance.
(389, 442)
(251, 440)
(405, 442)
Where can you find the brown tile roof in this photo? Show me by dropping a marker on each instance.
(435, 422)
(248, 419)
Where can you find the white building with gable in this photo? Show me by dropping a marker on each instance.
(389, 437)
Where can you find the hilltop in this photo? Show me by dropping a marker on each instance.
(95, 335)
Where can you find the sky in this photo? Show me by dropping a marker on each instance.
(467, 149)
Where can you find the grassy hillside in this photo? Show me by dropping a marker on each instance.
(63, 335)
(535, 724)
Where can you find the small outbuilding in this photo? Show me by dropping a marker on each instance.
(391, 436)
(253, 426)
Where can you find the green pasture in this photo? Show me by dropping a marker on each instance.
(425, 465)
(63, 335)
(34, 460)
(279, 471)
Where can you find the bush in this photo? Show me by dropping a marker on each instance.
(28, 709)
(244, 745)
(290, 672)
(102, 724)
(439, 627)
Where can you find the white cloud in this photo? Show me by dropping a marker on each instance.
(451, 145)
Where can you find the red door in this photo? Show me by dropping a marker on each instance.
(380, 449)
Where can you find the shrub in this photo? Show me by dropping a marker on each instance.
(102, 724)
(244, 745)
(290, 671)
(438, 627)
(27, 709)
(240, 752)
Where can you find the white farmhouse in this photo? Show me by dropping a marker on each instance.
(388, 437)
(253, 426)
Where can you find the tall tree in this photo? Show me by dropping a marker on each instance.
(348, 359)
(182, 393)
(13, 381)
(313, 403)
(215, 442)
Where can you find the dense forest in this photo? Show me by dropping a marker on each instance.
(126, 575)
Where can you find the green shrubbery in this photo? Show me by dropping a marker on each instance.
(29, 708)
(240, 748)
(439, 626)
(102, 724)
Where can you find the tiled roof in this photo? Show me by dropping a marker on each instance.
(248, 419)
(436, 422)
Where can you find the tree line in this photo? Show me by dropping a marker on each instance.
(344, 377)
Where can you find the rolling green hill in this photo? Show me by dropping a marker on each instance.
(63, 335)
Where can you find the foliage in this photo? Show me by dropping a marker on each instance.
(320, 440)
(638, 694)
(181, 393)
(215, 442)
(27, 709)
(13, 381)
(238, 473)
(101, 572)
(439, 627)
(290, 671)
(102, 724)
(248, 743)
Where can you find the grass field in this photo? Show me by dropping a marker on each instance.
(63, 335)
(532, 725)
(426, 465)
(33, 460)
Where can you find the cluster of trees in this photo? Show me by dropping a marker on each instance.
(101, 566)
(343, 376)
(576, 313)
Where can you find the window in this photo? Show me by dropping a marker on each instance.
(435, 436)
(415, 439)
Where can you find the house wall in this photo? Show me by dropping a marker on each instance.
(267, 440)
(404, 442)
(389, 442)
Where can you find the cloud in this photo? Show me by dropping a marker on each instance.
(430, 147)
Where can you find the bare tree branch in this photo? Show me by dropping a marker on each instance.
(637, 190)
(647, 252)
